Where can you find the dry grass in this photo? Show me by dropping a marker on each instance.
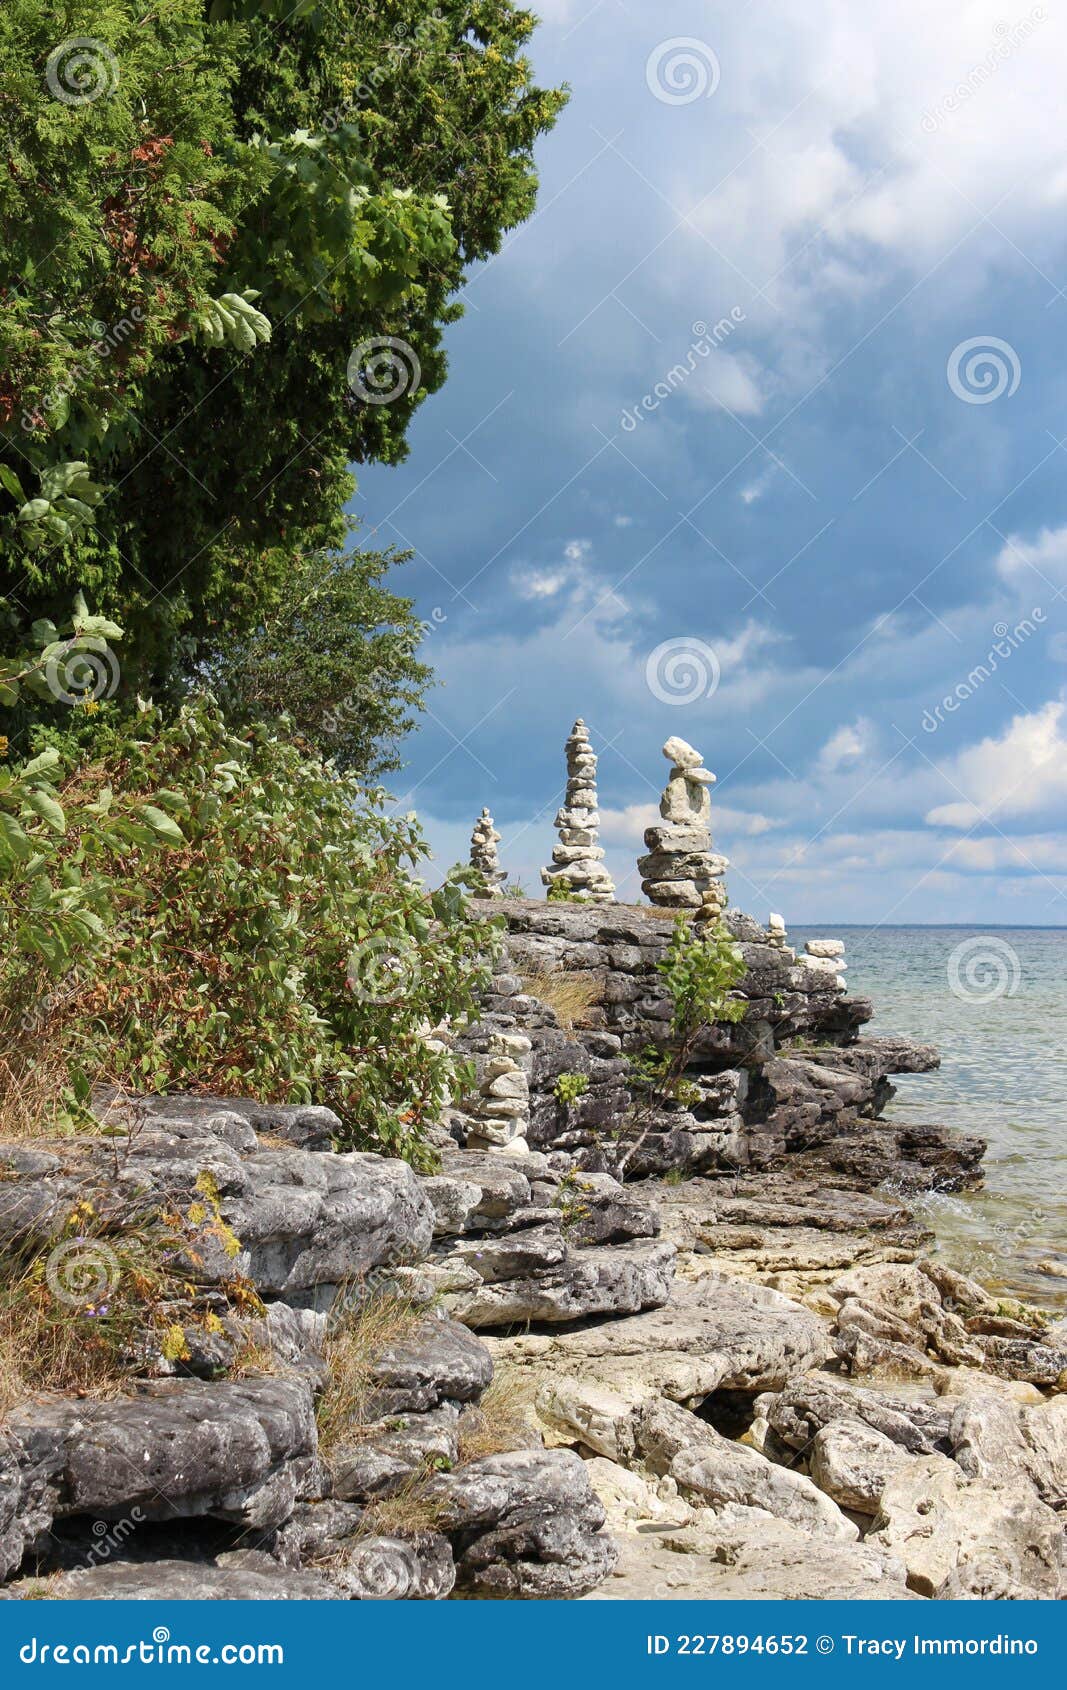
(253, 1359)
(500, 1421)
(46, 1346)
(569, 995)
(31, 1083)
(410, 1512)
(352, 1345)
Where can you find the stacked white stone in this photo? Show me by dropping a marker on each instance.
(826, 956)
(776, 936)
(681, 871)
(499, 1112)
(484, 858)
(578, 861)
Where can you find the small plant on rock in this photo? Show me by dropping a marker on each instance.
(570, 1087)
(561, 891)
(702, 968)
(570, 1199)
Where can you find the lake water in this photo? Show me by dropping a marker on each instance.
(994, 1001)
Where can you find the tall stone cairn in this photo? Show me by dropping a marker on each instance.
(681, 871)
(484, 858)
(578, 859)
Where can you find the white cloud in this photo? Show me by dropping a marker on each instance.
(1035, 563)
(847, 746)
(627, 826)
(1022, 772)
(754, 490)
(881, 135)
(549, 581)
(542, 583)
(728, 381)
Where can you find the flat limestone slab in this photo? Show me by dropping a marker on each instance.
(715, 1335)
(753, 1562)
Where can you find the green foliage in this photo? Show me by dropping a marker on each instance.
(569, 1088)
(560, 891)
(337, 654)
(62, 842)
(283, 949)
(166, 444)
(514, 889)
(701, 968)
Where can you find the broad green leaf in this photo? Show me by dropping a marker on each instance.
(13, 838)
(49, 759)
(164, 825)
(48, 808)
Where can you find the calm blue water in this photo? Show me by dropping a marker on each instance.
(994, 1001)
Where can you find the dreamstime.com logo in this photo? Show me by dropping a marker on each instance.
(682, 671)
(1007, 641)
(983, 968)
(982, 369)
(381, 971)
(1007, 39)
(382, 369)
(84, 676)
(682, 70)
(386, 1570)
(83, 1273)
(81, 70)
(704, 342)
(155, 1651)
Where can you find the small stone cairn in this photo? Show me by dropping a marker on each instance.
(777, 938)
(484, 858)
(681, 871)
(578, 860)
(826, 956)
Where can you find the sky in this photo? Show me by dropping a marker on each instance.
(756, 433)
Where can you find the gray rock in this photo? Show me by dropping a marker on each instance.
(440, 1361)
(524, 1524)
(386, 1458)
(174, 1449)
(393, 1569)
(618, 1279)
(185, 1581)
(314, 1222)
(315, 1532)
(809, 1403)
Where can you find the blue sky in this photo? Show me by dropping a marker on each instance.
(775, 380)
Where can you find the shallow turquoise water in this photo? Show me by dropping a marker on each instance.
(994, 1001)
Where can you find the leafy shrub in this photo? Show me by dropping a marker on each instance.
(701, 967)
(570, 1087)
(560, 891)
(282, 948)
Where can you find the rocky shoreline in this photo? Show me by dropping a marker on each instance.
(686, 1347)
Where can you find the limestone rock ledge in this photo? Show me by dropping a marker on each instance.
(752, 1377)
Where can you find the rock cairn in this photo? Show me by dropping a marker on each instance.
(777, 938)
(826, 956)
(681, 871)
(484, 858)
(578, 861)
